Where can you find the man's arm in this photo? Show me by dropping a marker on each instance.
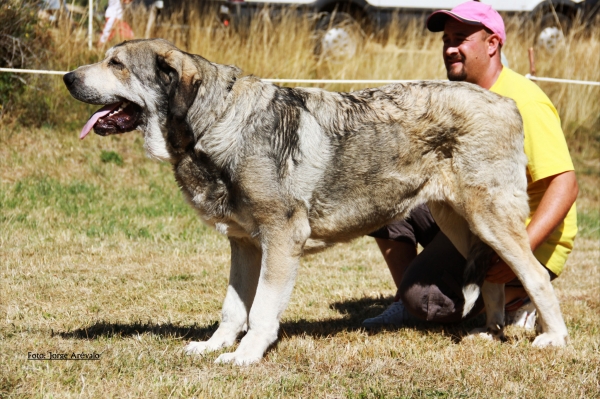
(552, 210)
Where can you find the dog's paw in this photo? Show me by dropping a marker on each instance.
(487, 334)
(237, 359)
(548, 339)
(479, 333)
(199, 348)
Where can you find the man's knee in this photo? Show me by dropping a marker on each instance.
(413, 300)
(429, 303)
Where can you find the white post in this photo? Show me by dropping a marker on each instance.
(91, 25)
(157, 5)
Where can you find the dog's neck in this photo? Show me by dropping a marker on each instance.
(213, 91)
(184, 132)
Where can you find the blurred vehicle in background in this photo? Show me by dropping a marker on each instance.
(340, 25)
(172, 6)
(160, 12)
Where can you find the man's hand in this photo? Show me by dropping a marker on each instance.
(499, 272)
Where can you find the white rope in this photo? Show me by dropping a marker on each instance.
(304, 81)
(327, 81)
(340, 81)
(575, 82)
(36, 71)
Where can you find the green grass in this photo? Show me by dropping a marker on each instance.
(588, 223)
(111, 156)
(94, 210)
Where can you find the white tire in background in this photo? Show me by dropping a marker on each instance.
(553, 28)
(338, 36)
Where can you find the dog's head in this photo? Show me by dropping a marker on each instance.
(150, 85)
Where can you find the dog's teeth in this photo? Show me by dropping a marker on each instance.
(124, 105)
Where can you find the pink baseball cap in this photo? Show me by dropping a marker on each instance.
(470, 13)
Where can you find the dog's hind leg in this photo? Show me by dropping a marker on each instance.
(477, 254)
(243, 279)
(454, 226)
(281, 247)
(498, 224)
(476, 268)
(493, 298)
(478, 263)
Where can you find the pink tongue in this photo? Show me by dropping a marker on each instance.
(94, 118)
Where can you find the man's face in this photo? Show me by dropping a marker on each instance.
(465, 51)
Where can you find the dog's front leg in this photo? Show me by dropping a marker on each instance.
(243, 278)
(281, 257)
(493, 298)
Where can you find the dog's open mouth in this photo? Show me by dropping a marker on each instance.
(121, 117)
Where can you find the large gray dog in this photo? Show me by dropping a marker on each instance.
(285, 171)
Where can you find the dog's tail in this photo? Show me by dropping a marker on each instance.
(478, 263)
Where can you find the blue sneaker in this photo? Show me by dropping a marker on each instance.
(395, 315)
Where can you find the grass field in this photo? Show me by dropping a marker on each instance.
(99, 254)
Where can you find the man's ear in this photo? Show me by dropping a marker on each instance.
(493, 44)
(181, 80)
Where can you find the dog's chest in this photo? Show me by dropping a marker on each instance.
(205, 187)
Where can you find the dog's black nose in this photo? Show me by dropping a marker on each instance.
(69, 78)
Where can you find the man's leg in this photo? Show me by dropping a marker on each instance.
(432, 285)
(397, 255)
(431, 288)
(398, 241)
(398, 244)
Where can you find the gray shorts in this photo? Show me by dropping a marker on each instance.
(418, 228)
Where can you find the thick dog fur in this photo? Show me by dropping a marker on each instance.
(285, 171)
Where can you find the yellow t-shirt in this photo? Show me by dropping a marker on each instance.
(548, 155)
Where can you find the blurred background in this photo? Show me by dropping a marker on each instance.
(326, 39)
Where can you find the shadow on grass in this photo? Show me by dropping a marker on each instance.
(103, 329)
(353, 312)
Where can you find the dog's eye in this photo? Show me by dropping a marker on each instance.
(115, 63)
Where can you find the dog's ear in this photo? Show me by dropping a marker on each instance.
(180, 77)
(230, 74)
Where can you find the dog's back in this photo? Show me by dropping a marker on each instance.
(364, 158)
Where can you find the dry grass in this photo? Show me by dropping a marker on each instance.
(99, 253)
